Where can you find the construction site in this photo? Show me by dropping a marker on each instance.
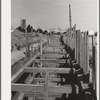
(54, 65)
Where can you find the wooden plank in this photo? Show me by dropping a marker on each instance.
(21, 96)
(56, 52)
(16, 76)
(41, 95)
(60, 47)
(50, 79)
(30, 88)
(51, 60)
(52, 70)
(20, 72)
(50, 65)
(46, 86)
(30, 98)
(27, 88)
(60, 89)
(51, 55)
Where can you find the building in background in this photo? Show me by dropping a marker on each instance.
(23, 23)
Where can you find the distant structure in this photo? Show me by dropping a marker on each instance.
(70, 19)
(23, 23)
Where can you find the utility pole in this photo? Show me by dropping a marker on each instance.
(70, 19)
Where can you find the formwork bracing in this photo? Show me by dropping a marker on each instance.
(58, 71)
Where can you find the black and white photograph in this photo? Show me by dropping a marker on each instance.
(54, 50)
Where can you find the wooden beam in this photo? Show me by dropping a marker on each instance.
(30, 88)
(30, 98)
(46, 86)
(52, 70)
(50, 79)
(51, 60)
(21, 96)
(50, 65)
(51, 55)
(48, 52)
(27, 88)
(60, 47)
(41, 95)
(60, 89)
(16, 76)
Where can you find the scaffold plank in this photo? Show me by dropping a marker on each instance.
(52, 55)
(30, 88)
(27, 88)
(50, 79)
(51, 60)
(51, 70)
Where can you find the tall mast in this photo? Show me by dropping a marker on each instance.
(70, 19)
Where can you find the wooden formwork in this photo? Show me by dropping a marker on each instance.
(44, 90)
(79, 41)
(81, 45)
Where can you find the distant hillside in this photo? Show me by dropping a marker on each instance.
(18, 38)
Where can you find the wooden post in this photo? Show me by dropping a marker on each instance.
(75, 47)
(81, 54)
(86, 53)
(31, 43)
(46, 86)
(27, 50)
(78, 45)
(40, 46)
(93, 59)
(41, 50)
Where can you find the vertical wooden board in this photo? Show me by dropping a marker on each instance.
(82, 46)
(32, 43)
(94, 63)
(78, 46)
(75, 47)
(26, 42)
(72, 40)
(83, 51)
(81, 56)
(46, 86)
(85, 54)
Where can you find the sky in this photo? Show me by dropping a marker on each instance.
(50, 14)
